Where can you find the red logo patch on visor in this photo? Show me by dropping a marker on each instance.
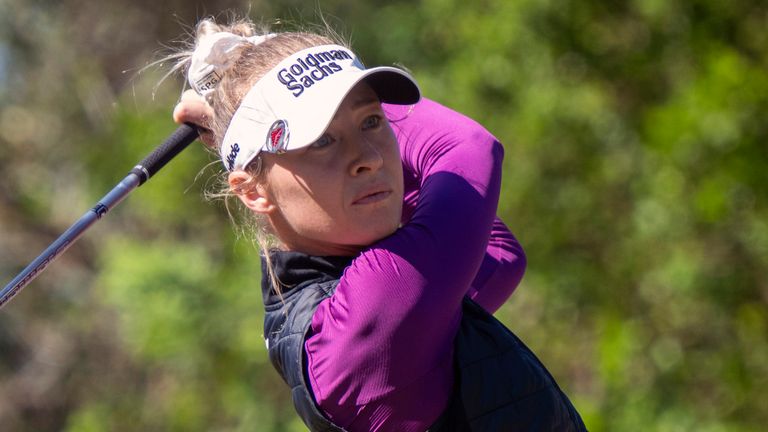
(277, 137)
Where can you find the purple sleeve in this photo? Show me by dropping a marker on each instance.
(380, 349)
(504, 262)
(501, 271)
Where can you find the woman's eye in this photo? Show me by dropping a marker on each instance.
(323, 141)
(371, 122)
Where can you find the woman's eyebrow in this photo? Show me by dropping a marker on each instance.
(364, 101)
(360, 102)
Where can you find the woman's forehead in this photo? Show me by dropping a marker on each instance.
(360, 96)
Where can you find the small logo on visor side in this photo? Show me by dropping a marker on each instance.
(277, 137)
(232, 156)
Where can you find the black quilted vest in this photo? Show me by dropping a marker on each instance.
(500, 385)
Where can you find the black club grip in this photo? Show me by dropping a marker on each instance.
(173, 145)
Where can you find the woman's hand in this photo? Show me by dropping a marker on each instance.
(194, 109)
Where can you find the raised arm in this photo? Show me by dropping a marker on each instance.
(396, 309)
(504, 262)
(501, 271)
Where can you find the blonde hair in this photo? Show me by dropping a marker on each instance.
(251, 62)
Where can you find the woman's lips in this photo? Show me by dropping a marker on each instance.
(373, 197)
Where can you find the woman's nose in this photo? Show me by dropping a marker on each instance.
(368, 157)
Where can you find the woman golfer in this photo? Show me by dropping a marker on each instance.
(390, 260)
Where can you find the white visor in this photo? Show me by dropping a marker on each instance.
(292, 105)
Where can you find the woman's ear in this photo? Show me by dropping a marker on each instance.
(250, 192)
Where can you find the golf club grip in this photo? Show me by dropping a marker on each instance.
(178, 141)
(174, 144)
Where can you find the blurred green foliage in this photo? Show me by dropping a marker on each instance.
(635, 177)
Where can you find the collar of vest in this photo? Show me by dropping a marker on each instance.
(295, 270)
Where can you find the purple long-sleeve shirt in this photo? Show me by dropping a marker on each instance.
(380, 349)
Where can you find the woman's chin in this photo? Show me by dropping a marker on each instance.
(336, 240)
(362, 239)
(380, 233)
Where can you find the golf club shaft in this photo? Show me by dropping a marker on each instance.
(151, 164)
